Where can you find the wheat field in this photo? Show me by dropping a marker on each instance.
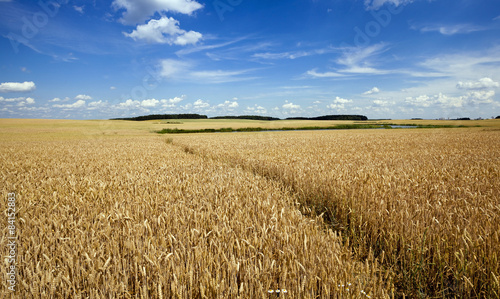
(425, 202)
(111, 216)
(111, 209)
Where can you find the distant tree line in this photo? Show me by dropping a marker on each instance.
(498, 117)
(164, 116)
(252, 117)
(331, 117)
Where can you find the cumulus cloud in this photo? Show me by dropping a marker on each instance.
(172, 102)
(164, 31)
(83, 97)
(338, 103)
(129, 103)
(96, 104)
(77, 104)
(17, 87)
(200, 104)
(137, 11)
(472, 98)
(372, 91)
(229, 104)
(21, 101)
(339, 100)
(482, 83)
(382, 103)
(291, 106)
(256, 109)
(150, 103)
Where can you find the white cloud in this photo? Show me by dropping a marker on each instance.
(338, 103)
(229, 104)
(482, 83)
(219, 76)
(336, 106)
(355, 60)
(291, 106)
(83, 97)
(450, 29)
(496, 18)
(171, 67)
(339, 100)
(292, 55)
(2, 99)
(137, 11)
(17, 87)
(150, 103)
(164, 31)
(96, 104)
(313, 73)
(480, 97)
(191, 37)
(372, 91)
(176, 69)
(257, 109)
(201, 104)
(79, 8)
(172, 102)
(77, 104)
(21, 101)
(359, 59)
(376, 4)
(129, 103)
(112, 88)
(444, 101)
(383, 103)
(59, 100)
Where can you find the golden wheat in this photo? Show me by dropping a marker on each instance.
(425, 202)
(138, 217)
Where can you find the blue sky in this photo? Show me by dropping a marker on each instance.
(380, 58)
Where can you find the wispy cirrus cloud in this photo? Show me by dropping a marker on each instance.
(293, 54)
(376, 4)
(355, 60)
(185, 71)
(449, 29)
